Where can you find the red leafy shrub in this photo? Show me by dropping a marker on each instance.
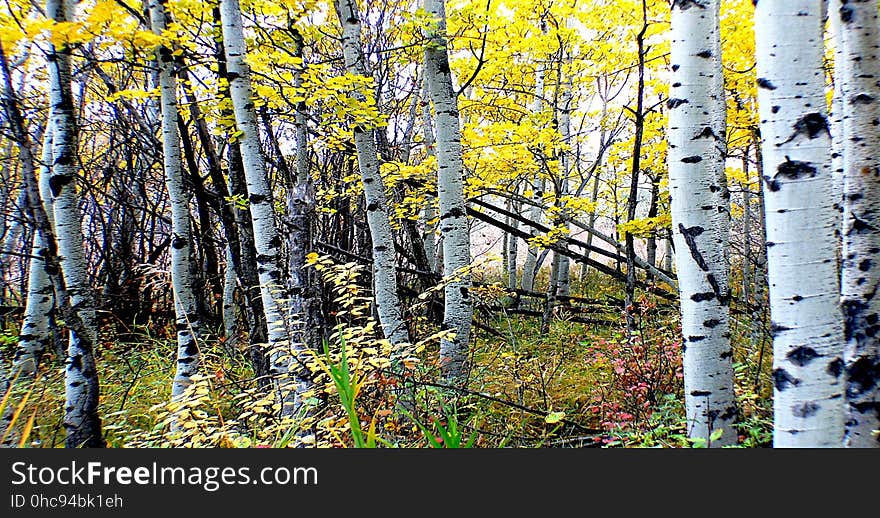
(633, 375)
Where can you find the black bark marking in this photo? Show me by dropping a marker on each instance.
(856, 325)
(256, 199)
(782, 379)
(66, 157)
(802, 355)
(835, 367)
(178, 243)
(57, 183)
(865, 407)
(729, 413)
(847, 14)
(705, 133)
(726, 354)
(675, 103)
(692, 159)
(865, 265)
(690, 235)
(765, 83)
(859, 225)
(455, 212)
(862, 98)
(696, 338)
(712, 323)
(684, 5)
(771, 184)
(706, 54)
(165, 55)
(862, 376)
(701, 297)
(701, 393)
(722, 297)
(811, 125)
(795, 169)
(804, 410)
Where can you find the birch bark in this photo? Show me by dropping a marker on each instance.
(187, 321)
(800, 225)
(860, 268)
(285, 357)
(458, 310)
(81, 377)
(694, 158)
(35, 336)
(384, 260)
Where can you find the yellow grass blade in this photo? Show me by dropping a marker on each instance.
(8, 393)
(26, 432)
(15, 415)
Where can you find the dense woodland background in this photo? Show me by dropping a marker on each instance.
(441, 223)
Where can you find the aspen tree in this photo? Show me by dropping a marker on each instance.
(808, 369)
(187, 321)
(860, 267)
(694, 158)
(458, 310)
(82, 389)
(384, 261)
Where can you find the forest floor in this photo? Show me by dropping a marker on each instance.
(578, 385)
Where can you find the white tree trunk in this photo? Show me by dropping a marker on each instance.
(694, 158)
(458, 310)
(35, 336)
(301, 122)
(860, 39)
(81, 378)
(430, 211)
(531, 261)
(801, 221)
(384, 257)
(285, 356)
(563, 274)
(837, 111)
(187, 322)
(13, 237)
(230, 315)
(512, 244)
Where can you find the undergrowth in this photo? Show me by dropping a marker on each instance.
(580, 385)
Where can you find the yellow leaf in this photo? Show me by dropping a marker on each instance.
(554, 417)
